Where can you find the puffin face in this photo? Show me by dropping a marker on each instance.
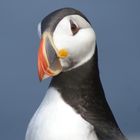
(67, 41)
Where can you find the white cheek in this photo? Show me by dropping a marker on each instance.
(63, 28)
(81, 47)
(81, 42)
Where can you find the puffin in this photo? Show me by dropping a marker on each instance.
(75, 106)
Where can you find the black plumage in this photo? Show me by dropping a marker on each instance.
(82, 89)
(50, 22)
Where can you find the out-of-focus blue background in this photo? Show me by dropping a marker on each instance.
(117, 26)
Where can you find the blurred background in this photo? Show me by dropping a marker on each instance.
(117, 26)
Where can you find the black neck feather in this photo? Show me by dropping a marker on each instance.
(82, 89)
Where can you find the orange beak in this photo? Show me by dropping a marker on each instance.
(49, 57)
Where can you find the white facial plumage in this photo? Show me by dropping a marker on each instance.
(81, 46)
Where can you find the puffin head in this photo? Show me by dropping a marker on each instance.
(67, 42)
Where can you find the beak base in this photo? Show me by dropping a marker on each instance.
(48, 61)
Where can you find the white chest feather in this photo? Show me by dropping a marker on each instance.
(56, 120)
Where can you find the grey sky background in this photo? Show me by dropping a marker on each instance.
(117, 26)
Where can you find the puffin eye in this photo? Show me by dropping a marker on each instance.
(74, 27)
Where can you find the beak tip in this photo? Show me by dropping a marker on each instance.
(40, 79)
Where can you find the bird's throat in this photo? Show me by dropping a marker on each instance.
(81, 88)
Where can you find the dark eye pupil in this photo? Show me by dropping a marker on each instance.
(74, 28)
